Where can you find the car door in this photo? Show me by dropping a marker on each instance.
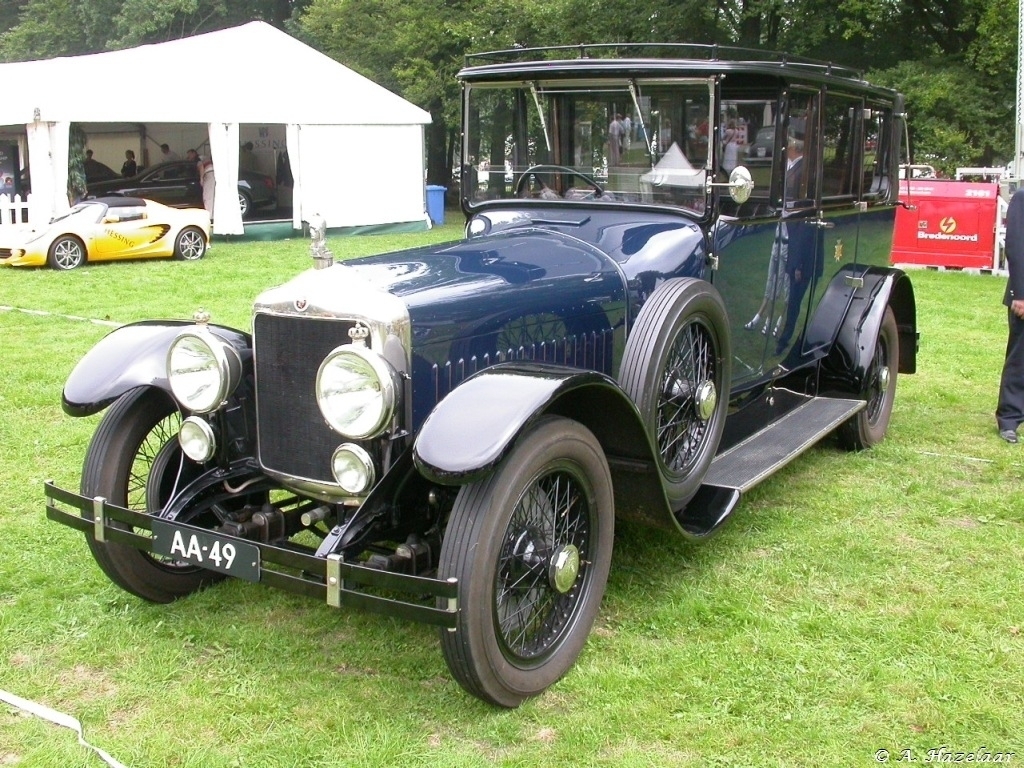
(756, 243)
(121, 234)
(175, 184)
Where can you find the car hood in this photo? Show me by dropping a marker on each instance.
(456, 289)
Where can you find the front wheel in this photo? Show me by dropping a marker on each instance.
(869, 426)
(134, 461)
(67, 252)
(190, 244)
(531, 546)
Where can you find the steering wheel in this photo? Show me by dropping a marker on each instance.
(533, 170)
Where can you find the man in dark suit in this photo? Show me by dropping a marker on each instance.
(1010, 410)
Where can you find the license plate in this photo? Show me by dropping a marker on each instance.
(207, 550)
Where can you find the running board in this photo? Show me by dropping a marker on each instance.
(747, 463)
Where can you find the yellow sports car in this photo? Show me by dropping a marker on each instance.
(109, 229)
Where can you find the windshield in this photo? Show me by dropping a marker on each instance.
(89, 211)
(601, 141)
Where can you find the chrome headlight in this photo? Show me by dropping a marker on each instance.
(202, 369)
(197, 440)
(356, 391)
(353, 468)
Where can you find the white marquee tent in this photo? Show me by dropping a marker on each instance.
(356, 149)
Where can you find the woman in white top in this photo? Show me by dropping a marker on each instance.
(730, 149)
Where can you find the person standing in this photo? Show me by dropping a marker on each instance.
(207, 180)
(730, 148)
(129, 167)
(614, 140)
(1010, 408)
(167, 155)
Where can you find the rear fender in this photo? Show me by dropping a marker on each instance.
(134, 355)
(847, 364)
(476, 425)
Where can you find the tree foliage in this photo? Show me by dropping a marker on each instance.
(955, 60)
(46, 28)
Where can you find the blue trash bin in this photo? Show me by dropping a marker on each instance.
(435, 203)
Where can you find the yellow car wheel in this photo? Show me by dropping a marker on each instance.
(190, 244)
(66, 253)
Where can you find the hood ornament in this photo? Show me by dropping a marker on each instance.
(322, 256)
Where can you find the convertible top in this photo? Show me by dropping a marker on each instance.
(119, 201)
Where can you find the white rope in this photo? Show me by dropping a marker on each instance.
(44, 313)
(58, 718)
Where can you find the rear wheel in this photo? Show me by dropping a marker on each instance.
(67, 252)
(531, 546)
(676, 369)
(190, 244)
(134, 461)
(869, 426)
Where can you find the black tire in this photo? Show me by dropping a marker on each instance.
(529, 591)
(244, 204)
(870, 425)
(676, 368)
(190, 244)
(134, 461)
(66, 252)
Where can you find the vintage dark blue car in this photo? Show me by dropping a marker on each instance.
(449, 433)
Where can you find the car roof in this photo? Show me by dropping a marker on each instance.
(658, 60)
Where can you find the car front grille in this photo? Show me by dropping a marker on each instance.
(294, 438)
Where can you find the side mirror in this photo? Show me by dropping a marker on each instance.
(740, 184)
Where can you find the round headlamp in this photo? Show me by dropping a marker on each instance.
(352, 467)
(356, 392)
(202, 369)
(197, 440)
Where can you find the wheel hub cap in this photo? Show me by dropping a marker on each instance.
(883, 378)
(706, 400)
(564, 568)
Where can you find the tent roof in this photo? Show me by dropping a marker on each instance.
(253, 73)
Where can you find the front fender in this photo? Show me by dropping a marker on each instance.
(131, 356)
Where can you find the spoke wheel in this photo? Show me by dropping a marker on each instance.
(870, 425)
(66, 253)
(190, 244)
(676, 369)
(531, 547)
(134, 461)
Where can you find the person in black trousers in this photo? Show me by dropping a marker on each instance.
(1010, 410)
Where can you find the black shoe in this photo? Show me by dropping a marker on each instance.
(1009, 435)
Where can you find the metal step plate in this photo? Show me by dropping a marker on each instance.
(748, 463)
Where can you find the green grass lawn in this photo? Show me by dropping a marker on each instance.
(856, 602)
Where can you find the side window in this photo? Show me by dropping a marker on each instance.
(747, 138)
(800, 147)
(876, 152)
(841, 141)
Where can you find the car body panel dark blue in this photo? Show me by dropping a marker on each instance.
(518, 295)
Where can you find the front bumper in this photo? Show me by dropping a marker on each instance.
(25, 258)
(331, 578)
